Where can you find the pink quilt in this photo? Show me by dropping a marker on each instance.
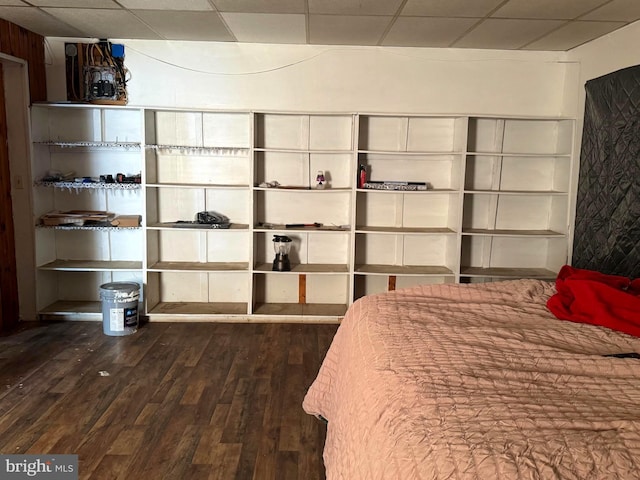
(476, 382)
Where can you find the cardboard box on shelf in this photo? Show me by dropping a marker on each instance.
(126, 221)
(76, 217)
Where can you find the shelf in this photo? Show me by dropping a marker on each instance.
(188, 227)
(198, 185)
(402, 270)
(518, 155)
(276, 228)
(300, 309)
(405, 230)
(72, 308)
(415, 153)
(92, 185)
(91, 265)
(302, 150)
(512, 233)
(429, 191)
(515, 192)
(314, 268)
(199, 308)
(199, 266)
(302, 189)
(501, 272)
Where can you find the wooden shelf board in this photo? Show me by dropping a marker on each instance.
(199, 266)
(300, 309)
(403, 270)
(507, 272)
(513, 154)
(199, 308)
(426, 153)
(91, 265)
(328, 268)
(172, 226)
(304, 189)
(68, 307)
(281, 227)
(514, 192)
(405, 230)
(212, 186)
(512, 233)
(430, 191)
(302, 150)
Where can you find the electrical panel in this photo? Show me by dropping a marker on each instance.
(96, 73)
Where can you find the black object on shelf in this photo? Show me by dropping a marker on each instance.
(281, 245)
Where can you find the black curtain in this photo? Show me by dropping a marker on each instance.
(607, 228)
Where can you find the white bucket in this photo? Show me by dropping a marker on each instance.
(120, 308)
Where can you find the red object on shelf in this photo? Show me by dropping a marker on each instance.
(362, 176)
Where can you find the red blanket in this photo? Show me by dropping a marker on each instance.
(591, 297)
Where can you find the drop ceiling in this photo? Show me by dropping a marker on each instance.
(495, 24)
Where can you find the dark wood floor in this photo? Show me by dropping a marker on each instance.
(172, 401)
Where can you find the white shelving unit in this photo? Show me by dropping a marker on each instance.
(72, 262)
(516, 196)
(197, 162)
(290, 149)
(408, 237)
(495, 206)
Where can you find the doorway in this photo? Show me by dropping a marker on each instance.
(17, 280)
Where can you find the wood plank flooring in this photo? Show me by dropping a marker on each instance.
(184, 401)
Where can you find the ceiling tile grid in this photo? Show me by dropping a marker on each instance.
(489, 24)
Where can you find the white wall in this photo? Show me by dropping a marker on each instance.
(335, 78)
(612, 52)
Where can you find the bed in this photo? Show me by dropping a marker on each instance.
(477, 381)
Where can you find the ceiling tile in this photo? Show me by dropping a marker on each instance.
(267, 27)
(618, 10)
(13, 3)
(190, 5)
(206, 26)
(76, 3)
(548, 9)
(346, 30)
(261, 6)
(573, 34)
(99, 23)
(354, 7)
(427, 31)
(507, 33)
(450, 8)
(38, 22)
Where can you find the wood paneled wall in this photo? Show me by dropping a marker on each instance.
(21, 43)
(29, 46)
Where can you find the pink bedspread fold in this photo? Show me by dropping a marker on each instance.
(476, 382)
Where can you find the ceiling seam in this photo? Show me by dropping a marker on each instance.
(479, 22)
(391, 23)
(307, 23)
